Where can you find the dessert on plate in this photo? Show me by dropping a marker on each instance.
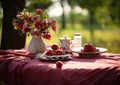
(89, 48)
(55, 50)
(55, 53)
(90, 51)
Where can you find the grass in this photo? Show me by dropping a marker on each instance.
(107, 38)
(103, 38)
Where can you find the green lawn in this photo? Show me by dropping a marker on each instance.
(103, 38)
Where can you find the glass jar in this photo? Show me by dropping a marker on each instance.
(77, 42)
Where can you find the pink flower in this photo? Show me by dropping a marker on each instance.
(47, 36)
(37, 24)
(44, 23)
(45, 31)
(35, 18)
(35, 32)
(54, 28)
(53, 22)
(19, 16)
(24, 30)
(18, 25)
(38, 11)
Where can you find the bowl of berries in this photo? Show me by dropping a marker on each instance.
(54, 53)
(90, 51)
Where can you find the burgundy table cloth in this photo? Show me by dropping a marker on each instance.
(19, 67)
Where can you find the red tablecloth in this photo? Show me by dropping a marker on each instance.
(18, 67)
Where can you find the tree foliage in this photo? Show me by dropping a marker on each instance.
(34, 4)
(114, 9)
(72, 3)
(90, 5)
(104, 10)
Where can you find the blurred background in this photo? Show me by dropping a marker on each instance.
(98, 21)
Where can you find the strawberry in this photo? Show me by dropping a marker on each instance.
(59, 52)
(49, 52)
(89, 48)
(67, 52)
(59, 64)
(94, 49)
(55, 47)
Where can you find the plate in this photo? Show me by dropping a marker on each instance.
(101, 50)
(44, 57)
(91, 54)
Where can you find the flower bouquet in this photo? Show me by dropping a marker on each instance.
(38, 24)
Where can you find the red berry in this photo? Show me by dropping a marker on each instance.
(94, 49)
(89, 48)
(59, 64)
(68, 52)
(55, 47)
(59, 52)
(49, 52)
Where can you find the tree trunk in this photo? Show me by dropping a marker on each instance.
(11, 39)
(72, 18)
(92, 22)
(63, 14)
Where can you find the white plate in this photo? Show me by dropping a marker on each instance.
(91, 55)
(54, 57)
(101, 50)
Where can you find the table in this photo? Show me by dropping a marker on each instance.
(19, 67)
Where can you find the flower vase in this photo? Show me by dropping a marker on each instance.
(37, 45)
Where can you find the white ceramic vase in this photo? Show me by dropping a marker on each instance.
(36, 45)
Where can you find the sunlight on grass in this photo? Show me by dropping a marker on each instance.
(103, 38)
(109, 39)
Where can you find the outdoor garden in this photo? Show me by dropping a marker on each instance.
(98, 22)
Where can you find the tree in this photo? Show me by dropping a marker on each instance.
(114, 8)
(91, 6)
(72, 4)
(11, 39)
(34, 4)
(63, 14)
